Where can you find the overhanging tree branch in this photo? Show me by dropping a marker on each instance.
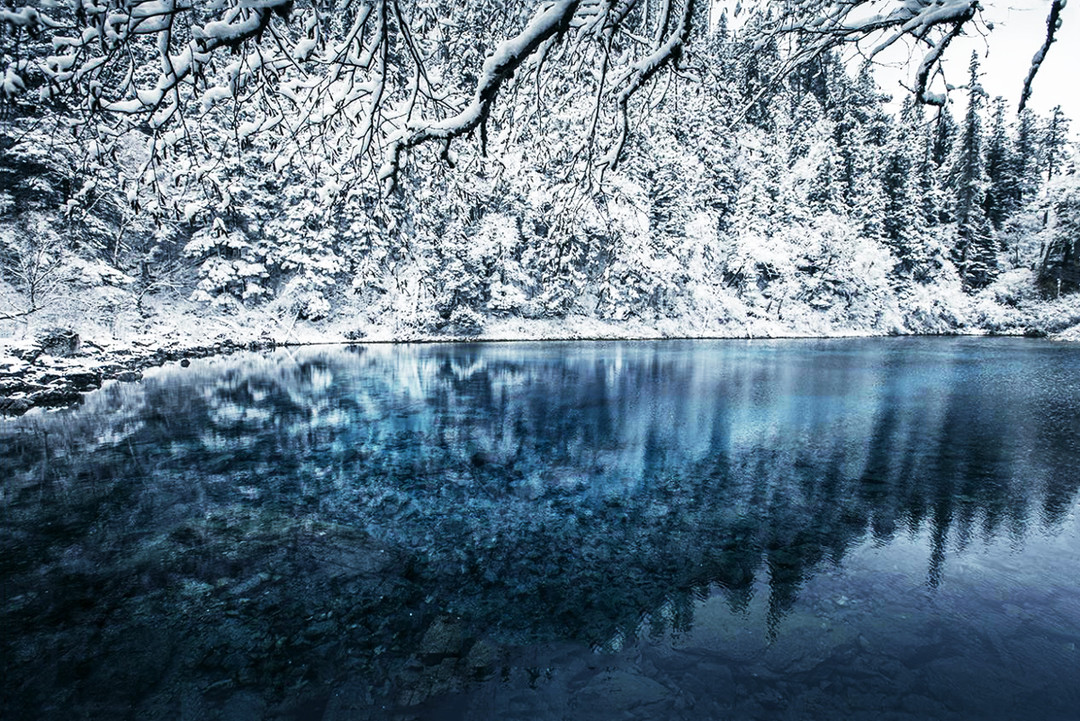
(1053, 23)
(507, 58)
(351, 77)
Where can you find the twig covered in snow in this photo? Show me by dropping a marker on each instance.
(369, 81)
(1053, 23)
(498, 68)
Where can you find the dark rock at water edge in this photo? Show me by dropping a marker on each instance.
(56, 397)
(14, 406)
(14, 386)
(84, 381)
(58, 342)
(1059, 271)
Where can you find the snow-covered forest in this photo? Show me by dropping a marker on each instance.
(487, 169)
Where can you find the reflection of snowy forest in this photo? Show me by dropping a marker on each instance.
(723, 189)
(317, 514)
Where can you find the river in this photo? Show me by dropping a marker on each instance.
(797, 529)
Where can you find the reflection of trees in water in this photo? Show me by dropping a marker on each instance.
(283, 522)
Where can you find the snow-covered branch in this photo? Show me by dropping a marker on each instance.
(368, 81)
(1053, 23)
(640, 73)
(827, 24)
(499, 67)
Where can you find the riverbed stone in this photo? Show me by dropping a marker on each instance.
(622, 691)
(445, 637)
(243, 706)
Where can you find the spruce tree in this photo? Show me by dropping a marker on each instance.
(869, 106)
(860, 131)
(932, 204)
(901, 214)
(944, 136)
(973, 253)
(824, 194)
(999, 202)
(1057, 136)
(1026, 157)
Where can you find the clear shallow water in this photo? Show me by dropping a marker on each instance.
(878, 529)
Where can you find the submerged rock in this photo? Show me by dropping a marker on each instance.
(445, 637)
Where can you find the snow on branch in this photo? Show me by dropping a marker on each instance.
(640, 73)
(366, 81)
(1053, 24)
(933, 23)
(500, 66)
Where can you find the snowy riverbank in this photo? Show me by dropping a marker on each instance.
(52, 367)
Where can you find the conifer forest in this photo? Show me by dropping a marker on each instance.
(403, 170)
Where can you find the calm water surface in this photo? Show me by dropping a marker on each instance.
(852, 529)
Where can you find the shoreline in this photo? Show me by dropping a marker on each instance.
(37, 379)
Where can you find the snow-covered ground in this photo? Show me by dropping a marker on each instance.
(34, 374)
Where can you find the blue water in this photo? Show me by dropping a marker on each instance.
(848, 529)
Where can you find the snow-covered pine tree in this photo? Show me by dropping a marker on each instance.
(999, 203)
(973, 252)
(825, 194)
(861, 128)
(748, 261)
(865, 194)
(944, 137)
(1026, 156)
(1055, 141)
(927, 171)
(902, 218)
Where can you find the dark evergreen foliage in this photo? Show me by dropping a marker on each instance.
(974, 251)
(1057, 137)
(1001, 193)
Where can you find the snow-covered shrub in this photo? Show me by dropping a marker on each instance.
(1055, 316)
(937, 308)
(506, 299)
(298, 299)
(230, 266)
(35, 263)
(96, 273)
(464, 322)
(1014, 288)
(497, 248)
